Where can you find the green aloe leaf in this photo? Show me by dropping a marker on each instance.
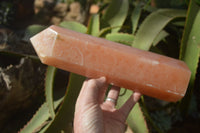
(64, 116)
(160, 37)
(116, 13)
(138, 125)
(135, 17)
(38, 120)
(153, 24)
(94, 25)
(120, 38)
(190, 50)
(103, 32)
(47, 124)
(46, 111)
(49, 82)
(136, 120)
(32, 30)
(72, 25)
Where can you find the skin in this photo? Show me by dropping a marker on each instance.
(94, 115)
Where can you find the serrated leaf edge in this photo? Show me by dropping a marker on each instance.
(49, 89)
(34, 116)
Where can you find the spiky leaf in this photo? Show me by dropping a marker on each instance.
(94, 25)
(136, 120)
(49, 82)
(64, 116)
(116, 13)
(152, 26)
(38, 120)
(190, 50)
(120, 38)
(32, 30)
(135, 17)
(72, 25)
(160, 37)
(103, 32)
(41, 118)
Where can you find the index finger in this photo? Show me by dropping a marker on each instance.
(91, 89)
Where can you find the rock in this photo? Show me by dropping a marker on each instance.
(75, 7)
(4, 35)
(55, 20)
(44, 6)
(39, 4)
(21, 89)
(94, 9)
(75, 13)
(60, 7)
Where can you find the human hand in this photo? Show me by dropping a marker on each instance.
(94, 115)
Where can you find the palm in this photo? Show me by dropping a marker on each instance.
(113, 120)
(94, 115)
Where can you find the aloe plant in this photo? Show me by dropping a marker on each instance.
(57, 116)
(190, 50)
(153, 25)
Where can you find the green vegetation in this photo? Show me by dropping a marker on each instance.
(171, 29)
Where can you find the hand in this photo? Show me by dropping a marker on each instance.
(94, 115)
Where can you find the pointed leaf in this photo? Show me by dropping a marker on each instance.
(94, 26)
(32, 30)
(38, 119)
(135, 17)
(65, 114)
(120, 38)
(179, 23)
(72, 25)
(152, 26)
(49, 82)
(190, 50)
(138, 125)
(116, 13)
(160, 37)
(106, 30)
(136, 120)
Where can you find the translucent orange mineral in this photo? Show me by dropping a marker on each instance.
(149, 73)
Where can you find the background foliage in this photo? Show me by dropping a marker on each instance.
(169, 27)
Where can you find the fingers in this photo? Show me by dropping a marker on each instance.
(113, 96)
(127, 107)
(92, 89)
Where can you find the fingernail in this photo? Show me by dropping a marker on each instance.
(103, 79)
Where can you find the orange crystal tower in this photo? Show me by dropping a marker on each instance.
(149, 73)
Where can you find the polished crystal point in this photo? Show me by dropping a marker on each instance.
(149, 73)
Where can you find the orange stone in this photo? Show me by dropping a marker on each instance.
(151, 74)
